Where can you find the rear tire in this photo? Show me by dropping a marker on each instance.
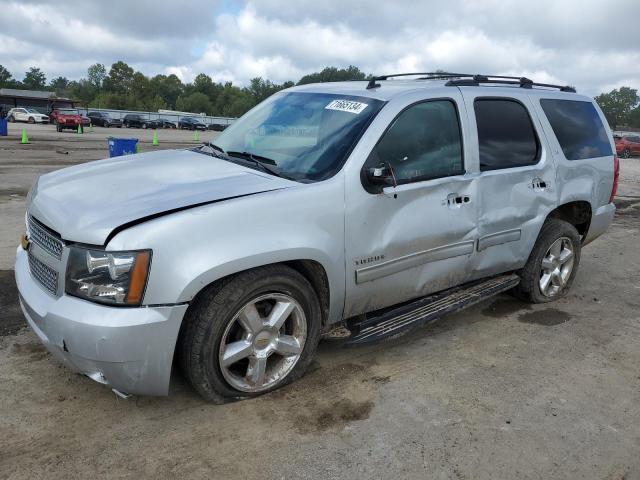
(552, 265)
(12, 119)
(626, 153)
(218, 318)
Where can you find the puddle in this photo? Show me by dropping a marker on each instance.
(547, 317)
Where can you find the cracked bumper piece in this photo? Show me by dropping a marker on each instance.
(129, 349)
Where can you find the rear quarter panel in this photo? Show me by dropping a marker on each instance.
(589, 180)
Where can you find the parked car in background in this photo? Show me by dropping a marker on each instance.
(102, 119)
(29, 115)
(373, 207)
(165, 123)
(216, 127)
(191, 123)
(68, 114)
(67, 119)
(134, 120)
(627, 145)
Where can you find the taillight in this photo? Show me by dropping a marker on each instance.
(616, 177)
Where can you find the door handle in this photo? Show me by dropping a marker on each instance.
(538, 185)
(455, 200)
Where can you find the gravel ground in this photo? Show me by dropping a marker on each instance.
(502, 390)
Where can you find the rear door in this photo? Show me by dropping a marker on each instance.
(516, 181)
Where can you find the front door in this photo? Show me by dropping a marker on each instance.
(416, 237)
(516, 181)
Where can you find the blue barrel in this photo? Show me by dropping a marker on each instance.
(4, 128)
(121, 146)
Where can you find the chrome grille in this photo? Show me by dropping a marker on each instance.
(44, 239)
(44, 274)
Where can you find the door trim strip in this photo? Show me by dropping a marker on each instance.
(399, 264)
(499, 238)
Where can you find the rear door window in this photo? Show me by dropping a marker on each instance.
(578, 128)
(506, 137)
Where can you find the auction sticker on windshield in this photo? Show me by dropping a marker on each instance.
(346, 106)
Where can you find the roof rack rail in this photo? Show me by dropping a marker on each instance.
(523, 82)
(429, 76)
(470, 79)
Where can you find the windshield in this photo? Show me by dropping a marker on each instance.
(307, 135)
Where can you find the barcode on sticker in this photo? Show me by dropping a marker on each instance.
(346, 106)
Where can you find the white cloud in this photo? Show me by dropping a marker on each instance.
(592, 45)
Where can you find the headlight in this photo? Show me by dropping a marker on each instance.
(117, 278)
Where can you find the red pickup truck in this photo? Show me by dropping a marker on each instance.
(68, 119)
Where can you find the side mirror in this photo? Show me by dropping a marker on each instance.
(380, 175)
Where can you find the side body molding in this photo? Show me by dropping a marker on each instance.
(396, 265)
(499, 238)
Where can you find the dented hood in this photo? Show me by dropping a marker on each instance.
(85, 203)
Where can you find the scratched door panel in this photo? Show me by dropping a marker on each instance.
(408, 242)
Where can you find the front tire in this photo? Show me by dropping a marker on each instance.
(552, 265)
(626, 153)
(250, 334)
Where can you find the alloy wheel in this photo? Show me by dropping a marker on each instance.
(557, 265)
(263, 342)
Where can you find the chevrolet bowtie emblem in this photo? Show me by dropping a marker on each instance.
(24, 241)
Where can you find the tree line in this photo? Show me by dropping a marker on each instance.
(121, 87)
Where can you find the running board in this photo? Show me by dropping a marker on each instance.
(395, 320)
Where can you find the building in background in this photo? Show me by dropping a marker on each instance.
(42, 101)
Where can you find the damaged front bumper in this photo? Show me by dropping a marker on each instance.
(129, 349)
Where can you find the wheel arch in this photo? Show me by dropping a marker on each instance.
(312, 270)
(578, 213)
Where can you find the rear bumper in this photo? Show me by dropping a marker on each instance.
(600, 221)
(129, 349)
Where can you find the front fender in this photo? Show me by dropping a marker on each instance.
(195, 247)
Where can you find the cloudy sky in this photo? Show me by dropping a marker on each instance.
(592, 44)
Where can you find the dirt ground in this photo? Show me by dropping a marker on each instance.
(503, 390)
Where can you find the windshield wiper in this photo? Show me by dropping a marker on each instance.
(215, 147)
(265, 163)
(254, 157)
(214, 150)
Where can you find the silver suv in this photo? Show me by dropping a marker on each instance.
(359, 207)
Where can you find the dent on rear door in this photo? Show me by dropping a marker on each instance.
(514, 202)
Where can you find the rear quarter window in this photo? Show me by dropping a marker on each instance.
(578, 128)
